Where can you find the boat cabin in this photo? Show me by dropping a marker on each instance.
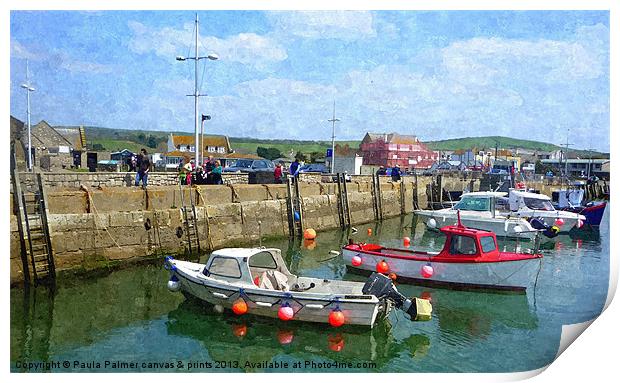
(469, 243)
(481, 202)
(521, 200)
(258, 266)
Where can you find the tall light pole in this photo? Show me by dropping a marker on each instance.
(333, 121)
(196, 58)
(28, 90)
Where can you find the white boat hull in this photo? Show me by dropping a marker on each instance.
(509, 275)
(308, 307)
(501, 226)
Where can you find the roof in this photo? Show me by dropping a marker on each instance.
(530, 195)
(484, 194)
(240, 252)
(392, 138)
(231, 156)
(209, 140)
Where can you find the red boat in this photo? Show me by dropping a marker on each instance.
(469, 259)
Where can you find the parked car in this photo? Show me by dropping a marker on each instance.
(250, 166)
(314, 168)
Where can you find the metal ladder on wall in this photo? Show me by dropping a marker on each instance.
(35, 230)
(377, 201)
(344, 213)
(190, 223)
(294, 205)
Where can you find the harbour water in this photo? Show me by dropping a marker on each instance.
(127, 320)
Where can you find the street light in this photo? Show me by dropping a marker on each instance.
(333, 121)
(197, 58)
(28, 90)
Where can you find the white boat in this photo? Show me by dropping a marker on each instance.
(257, 281)
(478, 210)
(469, 259)
(532, 205)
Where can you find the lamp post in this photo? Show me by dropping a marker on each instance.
(333, 121)
(196, 58)
(28, 90)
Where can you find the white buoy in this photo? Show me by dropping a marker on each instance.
(174, 285)
(431, 223)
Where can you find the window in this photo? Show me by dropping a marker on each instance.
(264, 260)
(211, 149)
(538, 204)
(225, 267)
(221, 149)
(473, 204)
(460, 244)
(488, 244)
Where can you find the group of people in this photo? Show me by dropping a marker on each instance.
(394, 172)
(278, 173)
(209, 173)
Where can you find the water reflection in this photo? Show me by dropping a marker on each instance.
(255, 339)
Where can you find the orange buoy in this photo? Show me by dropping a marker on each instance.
(406, 241)
(309, 244)
(239, 330)
(336, 318)
(369, 231)
(309, 234)
(336, 342)
(382, 267)
(240, 307)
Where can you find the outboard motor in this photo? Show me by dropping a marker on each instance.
(548, 231)
(383, 288)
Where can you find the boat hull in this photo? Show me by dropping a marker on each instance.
(308, 307)
(593, 214)
(516, 276)
(501, 226)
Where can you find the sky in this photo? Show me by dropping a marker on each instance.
(539, 75)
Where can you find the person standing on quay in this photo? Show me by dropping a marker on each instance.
(143, 164)
(293, 170)
(277, 173)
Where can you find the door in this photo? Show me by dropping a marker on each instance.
(91, 162)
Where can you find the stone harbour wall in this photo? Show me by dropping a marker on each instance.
(98, 225)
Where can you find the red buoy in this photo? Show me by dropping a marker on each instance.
(356, 260)
(336, 318)
(285, 312)
(257, 281)
(406, 241)
(240, 307)
(382, 267)
(427, 271)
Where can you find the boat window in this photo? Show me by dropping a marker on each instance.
(473, 204)
(488, 244)
(460, 244)
(225, 267)
(264, 260)
(538, 204)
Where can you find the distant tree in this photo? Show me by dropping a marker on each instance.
(98, 147)
(152, 141)
(301, 157)
(141, 138)
(315, 156)
(268, 153)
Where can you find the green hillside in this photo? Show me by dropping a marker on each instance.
(109, 139)
(490, 142)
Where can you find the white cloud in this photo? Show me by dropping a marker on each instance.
(245, 48)
(21, 52)
(61, 59)
(345, 25)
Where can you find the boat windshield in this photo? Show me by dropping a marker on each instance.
(473, 204)
(538, 204)
(460, 244)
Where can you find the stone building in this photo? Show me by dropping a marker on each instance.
(396, 149)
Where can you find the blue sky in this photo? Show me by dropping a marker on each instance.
(436, 74)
